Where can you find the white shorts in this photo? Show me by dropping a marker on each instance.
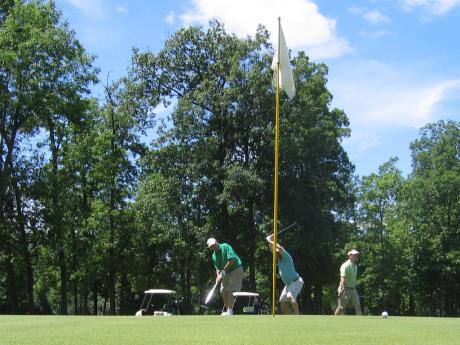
(291, 290)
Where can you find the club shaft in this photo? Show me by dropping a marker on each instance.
(286, 229)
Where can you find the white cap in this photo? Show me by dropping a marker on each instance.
(211, 241)
(353, 252)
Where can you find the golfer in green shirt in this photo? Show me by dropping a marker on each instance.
(347, 286)
(229, 272)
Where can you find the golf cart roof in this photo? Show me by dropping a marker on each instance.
(160, 292)
(250, 294)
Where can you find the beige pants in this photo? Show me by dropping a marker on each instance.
(350, 297)
(232, 281)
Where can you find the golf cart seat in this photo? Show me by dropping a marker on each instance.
(166, 309)
(251, 306)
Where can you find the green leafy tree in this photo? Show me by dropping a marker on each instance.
(220, 116)
(123, 119)
(44, 73)
(378, 200)
(222, 139)
(432, 207)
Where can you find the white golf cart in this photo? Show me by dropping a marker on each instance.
(155, 297)
(252, 305)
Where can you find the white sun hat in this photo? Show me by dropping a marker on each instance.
(211, 241)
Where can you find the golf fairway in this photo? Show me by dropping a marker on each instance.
(251, 330)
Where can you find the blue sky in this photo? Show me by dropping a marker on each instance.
(394, 65)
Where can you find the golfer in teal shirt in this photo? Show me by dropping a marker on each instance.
(292, 280)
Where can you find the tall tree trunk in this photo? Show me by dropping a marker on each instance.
(56, 223)
(24, 247)
(85, 210)
(64, 277)
(5, 169)
(84, 306)
(121, 295)
(306, 298)
(318, 298)
(113, 184)
(112, 277)
(11, 288)
(411, 303)
(74, 269)
(95, 296)
(188, 287)
(457, 302)
(252, 247)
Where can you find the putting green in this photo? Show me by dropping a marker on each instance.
(251, 330)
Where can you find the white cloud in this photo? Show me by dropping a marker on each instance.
(100, 35)
(387, 105)
(435, 7)
(375, 94)
(91, 8)
(95, 23)
(372, 16)
(170, 18)
(121, 9)
(362, 141)
(375, 34)
(375, 16)
(303, 25)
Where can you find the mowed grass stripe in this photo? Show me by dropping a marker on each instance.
(251, 330)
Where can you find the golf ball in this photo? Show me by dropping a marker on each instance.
(384, 314)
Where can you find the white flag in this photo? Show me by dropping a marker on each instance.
(286, 78)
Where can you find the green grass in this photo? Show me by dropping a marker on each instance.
(251, 330)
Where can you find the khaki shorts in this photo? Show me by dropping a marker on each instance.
(232, 281)
(350, 298)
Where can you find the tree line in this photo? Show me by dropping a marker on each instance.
(94, 209)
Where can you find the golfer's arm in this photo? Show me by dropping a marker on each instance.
(279, 247)
(270, 241)
(229, 264)
(342, 282)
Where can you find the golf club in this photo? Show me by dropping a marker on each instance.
(285, 229)
(211, 293)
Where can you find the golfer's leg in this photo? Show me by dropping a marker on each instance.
(224, 298)
(293, 290)
(295, 306)
(285, 308)
(356, 304)
(339, 310)
(284, 303)
(228, 299)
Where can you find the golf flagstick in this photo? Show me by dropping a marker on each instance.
(211, 293)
